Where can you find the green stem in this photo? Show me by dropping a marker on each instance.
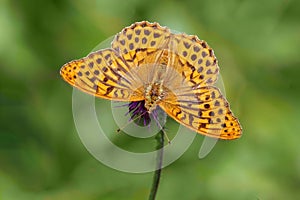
(156, 177)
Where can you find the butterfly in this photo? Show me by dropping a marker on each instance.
(177, 72)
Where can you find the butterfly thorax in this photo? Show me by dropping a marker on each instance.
(153, 94)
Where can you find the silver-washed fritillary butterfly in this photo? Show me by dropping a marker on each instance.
(147, 62)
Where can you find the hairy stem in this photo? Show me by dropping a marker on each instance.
(159, 160)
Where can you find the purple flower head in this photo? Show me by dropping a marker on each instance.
(139, 113)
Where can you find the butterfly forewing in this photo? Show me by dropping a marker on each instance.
(203, 110)
(103, 74)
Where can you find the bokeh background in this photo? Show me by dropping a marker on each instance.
(257, 44)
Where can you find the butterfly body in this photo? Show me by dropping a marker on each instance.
(153, 94)
(177, 72)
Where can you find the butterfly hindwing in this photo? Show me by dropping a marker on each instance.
(195, 60)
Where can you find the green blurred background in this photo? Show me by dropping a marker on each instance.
(257, 44)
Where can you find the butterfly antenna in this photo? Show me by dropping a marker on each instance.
(161, 128)
(130, 121)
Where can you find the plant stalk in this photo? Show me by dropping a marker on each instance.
(159, 160)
